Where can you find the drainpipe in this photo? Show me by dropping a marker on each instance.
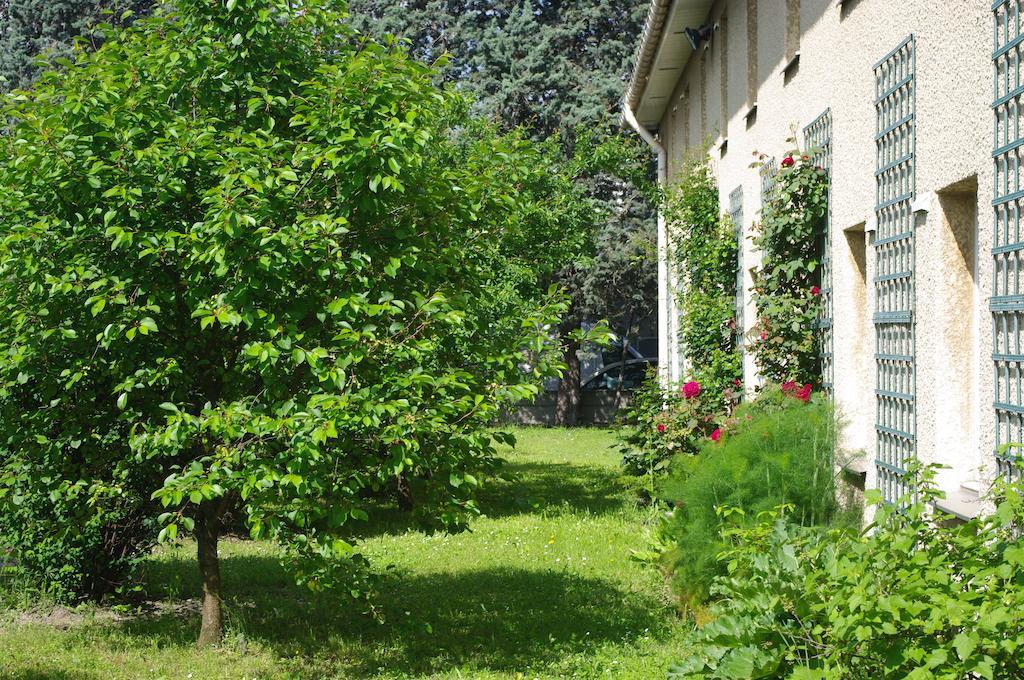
(666, 348)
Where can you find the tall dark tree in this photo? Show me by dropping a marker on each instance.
(552, 67)
(33, 28)
(548, 65)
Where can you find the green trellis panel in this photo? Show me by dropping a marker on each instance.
(736, 215)
(1007, 303)
(895, 371)
(818, 139)
(768, 173)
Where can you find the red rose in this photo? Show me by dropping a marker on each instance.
(788, 162)
(662, 428)
(737, 382)
(804, 394)
(691, 389)
(815, 291)
(716, 435)
(789, 387)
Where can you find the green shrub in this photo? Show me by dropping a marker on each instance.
(911, 597)
(775, 450)
(72, 551)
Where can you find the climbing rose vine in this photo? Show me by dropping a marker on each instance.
(787, 286)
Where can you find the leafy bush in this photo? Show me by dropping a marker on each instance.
(787, 284)
(913, 596)
(71, 551)
(775, 450)
(705, 253)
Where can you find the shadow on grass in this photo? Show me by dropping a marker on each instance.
(543, 487)
(524, 488)
(502, 619)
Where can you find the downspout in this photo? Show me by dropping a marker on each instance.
(666, 348)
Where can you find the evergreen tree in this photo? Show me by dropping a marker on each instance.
(548, 65)
(33, 28)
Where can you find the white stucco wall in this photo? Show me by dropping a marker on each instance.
(838, 49)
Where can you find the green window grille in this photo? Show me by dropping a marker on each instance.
(895, 375)
(1007, 302)
(818, 139)
(736, 215)
(768, 174)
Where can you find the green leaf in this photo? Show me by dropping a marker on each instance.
(965, 644)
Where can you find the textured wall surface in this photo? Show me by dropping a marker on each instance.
(839, 46)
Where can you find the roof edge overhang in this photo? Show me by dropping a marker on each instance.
(661, 57)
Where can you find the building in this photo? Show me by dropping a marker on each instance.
(919, 104)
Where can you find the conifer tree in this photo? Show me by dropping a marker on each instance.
(34, 28)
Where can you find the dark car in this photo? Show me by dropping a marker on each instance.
(632, 377)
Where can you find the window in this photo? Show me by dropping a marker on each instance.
(792, 56)
(792, 30)
(736, 215)
(954, 321)
(723, 104)
(752, 84)
(704, 93)
(686, 117)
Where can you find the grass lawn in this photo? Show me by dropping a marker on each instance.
(542, 587)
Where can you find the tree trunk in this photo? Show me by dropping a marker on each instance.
(207, 534)
(568, 403)
(623, 357)
(405, 502)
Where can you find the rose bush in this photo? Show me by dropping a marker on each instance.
(662, 423)
(787, 284)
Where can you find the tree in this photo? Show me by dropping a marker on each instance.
(552, 67)
(253, 259)
(46, 28)
(622, 282)
(549, 66)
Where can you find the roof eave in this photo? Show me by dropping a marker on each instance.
(661, 56)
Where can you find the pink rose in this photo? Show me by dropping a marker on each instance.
(691, 389)
(716, 435)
